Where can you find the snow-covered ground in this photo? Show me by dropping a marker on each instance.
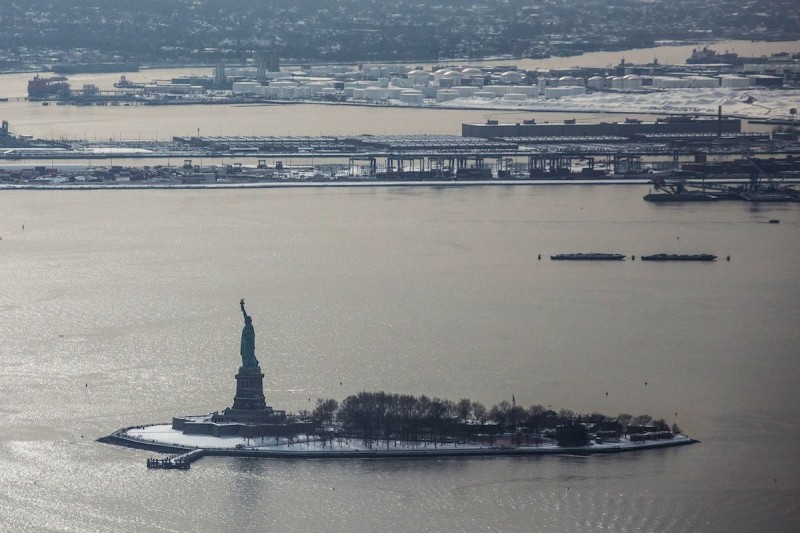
(751, 103)
(164, 435)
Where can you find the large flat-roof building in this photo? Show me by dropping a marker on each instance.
(627, 128)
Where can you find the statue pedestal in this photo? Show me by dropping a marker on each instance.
(249, 405)
(250, 390)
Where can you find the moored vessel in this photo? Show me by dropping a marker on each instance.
(588, 257)
(690, 196)
(679, 257)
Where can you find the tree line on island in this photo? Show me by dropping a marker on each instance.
(383, 416)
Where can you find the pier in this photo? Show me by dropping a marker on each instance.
(176, 462)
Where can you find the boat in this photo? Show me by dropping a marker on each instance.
(39, 88)
(587, 257)
(679, 257)
(766, 197)
(693, 196)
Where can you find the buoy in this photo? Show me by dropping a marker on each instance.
(539, 257)
(728, 258)
(633, 258)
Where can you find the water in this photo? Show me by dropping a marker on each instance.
(121, 308)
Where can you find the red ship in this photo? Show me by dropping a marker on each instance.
(39, 88)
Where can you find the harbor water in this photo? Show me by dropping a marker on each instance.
(122, 307)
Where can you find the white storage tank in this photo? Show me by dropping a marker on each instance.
(375, 93)
(245, 87)
(558, 92)
(529, 90)
(515, 97)
(411, 97)
(465, 91)
(632, 82)
(394, 92)
(484, 94)
(510, 77)
(670, 82)
(418, 77)
(703, 82)
(359, 93)
(497, 90)
(445, 95)
(734, 82)
(317, 87)
(597, 82)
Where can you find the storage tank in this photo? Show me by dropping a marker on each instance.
(445, 95)
(530, 91)
(418, 77)
(465, 91)
(558, 92)
(597, 82)
(614, 82)
(703, 82)
(245, 87)
(497, 90)
(484, 94)
(375, 93)
(411, 97)
(359, 93)
(670, 82)
(632, 82)
(515, 97)
(734, 82)
(512, 76)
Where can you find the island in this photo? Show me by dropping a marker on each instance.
(382, 424)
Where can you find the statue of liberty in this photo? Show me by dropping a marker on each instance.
(248, 349)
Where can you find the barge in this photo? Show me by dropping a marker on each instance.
(588, 257)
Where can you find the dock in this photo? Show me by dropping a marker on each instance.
(176, 462)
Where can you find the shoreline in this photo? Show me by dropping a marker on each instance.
(346, 184)
(314, 184)
(121, 438)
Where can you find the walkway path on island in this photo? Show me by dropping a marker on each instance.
(163, 439)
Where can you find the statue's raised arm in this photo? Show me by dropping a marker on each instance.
(248, 349)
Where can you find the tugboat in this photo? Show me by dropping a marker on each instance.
(587, 257)
(679, 257)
